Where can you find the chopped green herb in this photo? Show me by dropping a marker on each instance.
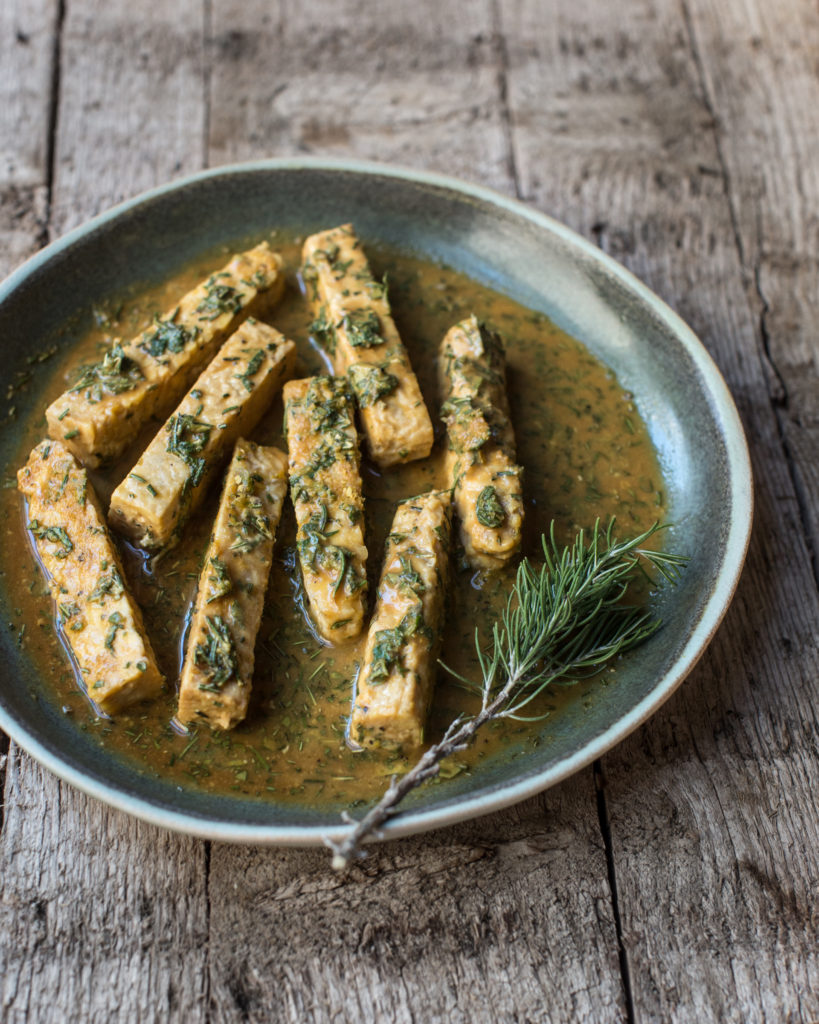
(409, 577)
(219, 298)
(188, 436)
(311, 535)
(108, 585)
(68, 610)
(329, 252)
(370, 383)
(488, 508)
(363, 328)
(115, 373)
(247, 518)
(117, 623)
(252, 368)
(56, 534)
(219, 581)
(167, 336)
(218, 654)
(324, 332)
(390, 642)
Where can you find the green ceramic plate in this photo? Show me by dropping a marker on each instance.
(506, 245)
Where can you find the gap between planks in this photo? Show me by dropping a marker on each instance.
(53, 114)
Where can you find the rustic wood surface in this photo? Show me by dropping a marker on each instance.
(677, 880)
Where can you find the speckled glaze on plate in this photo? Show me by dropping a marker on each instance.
(504, 244)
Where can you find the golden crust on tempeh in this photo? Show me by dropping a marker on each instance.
(325, 485)
(101, 413)
(100, 622)
(354, 324)
(228, 399)
(398, 672)
(218, 671)
(481, 459)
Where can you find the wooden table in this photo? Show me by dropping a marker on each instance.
(678, 878)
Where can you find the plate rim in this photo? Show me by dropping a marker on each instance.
(740, 486)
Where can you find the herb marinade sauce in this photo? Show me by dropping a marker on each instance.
(586, 454)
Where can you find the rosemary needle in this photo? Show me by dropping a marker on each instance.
(563, 621)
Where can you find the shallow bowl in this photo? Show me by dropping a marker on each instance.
(504, 244)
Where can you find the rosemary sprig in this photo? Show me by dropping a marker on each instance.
(563, 621)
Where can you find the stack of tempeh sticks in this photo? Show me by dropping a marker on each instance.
(240, 364)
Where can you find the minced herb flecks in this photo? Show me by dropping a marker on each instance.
(389, 643)
(109, 584)
(370, 383)
(323, 331)
(219, 581)
(252, 368)
(115, 373)
(217, 655)
(56, 534)
(187, 437)
(167, 336)
(363, 327)
(219, 298)
(488, 508)
(580, 438)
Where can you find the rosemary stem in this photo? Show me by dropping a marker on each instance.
(562, 621)
(457, 736)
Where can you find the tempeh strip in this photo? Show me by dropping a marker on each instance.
(481, 459)
(400, 659)
(99, 621)
(325, 485)
(102, 412)
(354, 324)
(150, 505)
(218, 671)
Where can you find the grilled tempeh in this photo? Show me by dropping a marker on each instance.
(397, 675)
(481, 458)
(325, 485)
(100, 622)
(103, 411)
(228, 399)
(354, 324)
(218, 670)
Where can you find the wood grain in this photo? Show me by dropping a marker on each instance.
(101, 918)
(131, 105)
(759, 76)
(417, 89)
(714, 819)
(502, 919)
(681, 135)
(418, 86)
(27, 28)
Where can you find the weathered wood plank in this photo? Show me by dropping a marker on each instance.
(417, 85)
(713, 812)
(759, 78)
(486, 921)
(103, 919)
(27, 32)
(518, 930)
(131, 110)
(714, 818)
